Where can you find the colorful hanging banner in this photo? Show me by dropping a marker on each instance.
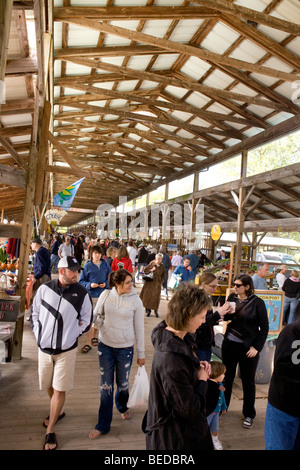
(64, 199)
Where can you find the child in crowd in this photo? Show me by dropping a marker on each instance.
(217, 375)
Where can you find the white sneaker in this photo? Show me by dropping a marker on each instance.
(217, 444)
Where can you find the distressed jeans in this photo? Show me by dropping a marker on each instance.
(111, 360)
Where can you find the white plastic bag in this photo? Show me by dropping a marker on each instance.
(139, 393)
(174, 282)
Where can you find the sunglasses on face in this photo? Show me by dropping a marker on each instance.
(237, 285)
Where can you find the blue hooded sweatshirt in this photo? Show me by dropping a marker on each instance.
(91, 273)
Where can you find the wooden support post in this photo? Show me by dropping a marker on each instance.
(231, 265)
(5, 21)
(26, 235)
(241, 217)
(43, 153)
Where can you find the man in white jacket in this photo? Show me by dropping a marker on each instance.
(62, 311)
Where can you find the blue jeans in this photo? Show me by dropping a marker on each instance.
(293, 303)
(111, 359)
(54, 262)
(282, 431)
(138, 271)
(165, 283)
(213, 422)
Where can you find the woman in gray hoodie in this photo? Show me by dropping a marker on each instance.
(122, 326)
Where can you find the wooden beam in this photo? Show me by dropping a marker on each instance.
(264, 41)
(54, 141)
(23, 5)
(24, 66)
(14, 131)
(207, 56)
(96, 94)
(108, 51)
(277, 203)
(134, 13)
(12, 176)
(10, 230)
(17, 107)
(43, 147)
(119, 73)
(13, 153)
(280, 225)
(77, 171)
(201, 131)
(252, 15)
(26, 235)
(5, 22)
(270, 134)
(241, 216)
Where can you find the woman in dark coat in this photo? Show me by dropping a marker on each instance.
(176, 417)
(150, 293)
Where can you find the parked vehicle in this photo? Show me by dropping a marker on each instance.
(276, 257)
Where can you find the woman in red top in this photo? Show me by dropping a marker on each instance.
(122, 260)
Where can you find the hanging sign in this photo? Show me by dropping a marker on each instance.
(54, 216)
(215, 232)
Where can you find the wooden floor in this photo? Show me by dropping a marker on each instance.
(23, 406)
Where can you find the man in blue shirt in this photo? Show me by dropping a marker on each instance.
(259, 278)
(194, 262)
(42, 264)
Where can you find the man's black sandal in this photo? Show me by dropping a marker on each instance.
(58, 419)
(50, 439)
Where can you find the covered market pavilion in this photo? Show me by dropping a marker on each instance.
(137, 95)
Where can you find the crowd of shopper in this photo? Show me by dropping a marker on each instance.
(188, 390)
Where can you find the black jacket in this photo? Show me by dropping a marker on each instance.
(291, 288)
(142, 255)
(204, 336)
(284, 390)
(252, 321)
(176, 417)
